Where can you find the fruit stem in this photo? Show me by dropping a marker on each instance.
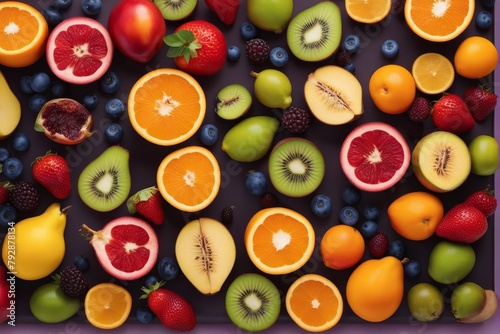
(65, 209)
(254, 74)
(405, 260)
(86, 232)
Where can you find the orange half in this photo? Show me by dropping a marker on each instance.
(314, 303)
(433, 73)
(439, 20)
(107, 305)
(23, 34)
(279, 240)
(368, 11)
(166, 106)
(189, 178)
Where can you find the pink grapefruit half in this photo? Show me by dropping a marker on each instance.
(374, 156)
(79, 50)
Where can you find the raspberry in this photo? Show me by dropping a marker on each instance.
(72, 282)
(226, 215)
(268, 200)
(296, 120)
(342, 58)
(24, 196)
(378, 245)
(420, 109)
(257, 50)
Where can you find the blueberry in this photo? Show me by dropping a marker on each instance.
(348, 215)
(36, 101)
(278, 56)
(484, 20)
(168, 268)
(8, 215)
(113, 132)
(351, 195)
(396, 249)
(63, 4)
(40, 82)
(20, 142)
(12, 168)
(151, 280)
(4, 154)
(91, 7)
(233, 53)
(412, 268)
(321, 205)
(144, 315)
(390, 48)
(350, 67)
(110, 82)
(256, 183)
(248, 31)
(53, 15)
(351, 43)
(24, 85)
(81, 262)
(90, 101)
(371, 212)
(58, 88)
(208, 134)
(368, 228)
(115, 108)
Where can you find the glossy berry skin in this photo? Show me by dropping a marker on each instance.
(91, 7)
(233, 53)
(114, 133)
(147, 202)
(40, 82)
(350, 67)
(256, 183)
(144, 315)
(209, 134)
(5, 187)
(480, 102)
(53, 16)
(90, 101)
(450, 113)
(36, 102)
(396, 248)
(12, 168)
(20, 142)
(114, 108)
(484, 20)
(378, 245)
(63, 4)
(151, 280)
(412, 268)
(321, 205)
(351, 195)
(52, 172)
(248, 31)
(8, 215)
(278, 56)
(109, 83)
(390, 48)
(462, 223)
(351, 43)
(348, 215)
(484, 201)
(368, 228)
(4, 154)
(24, 85)
(371, 212)
(168, 269)
(81, 262)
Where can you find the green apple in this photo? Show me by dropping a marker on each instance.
(425, 302)
(450, 262)
(467, 299)
(272, 88)
(50, 304)
(270, 15)
(483, 151)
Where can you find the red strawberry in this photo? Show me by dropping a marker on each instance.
(378, 245)
(4, 192)
(52, 172)
(450, 113)
(173, 310)
(462, 223)
(480, 102)
(226, 10)
(147, 202)
(198, 47)
(484, 201)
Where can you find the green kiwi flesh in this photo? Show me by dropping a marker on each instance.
(104, 184)
(253, 302)
(296, 167)
(315, 33)
(175, 10)
(233, 101)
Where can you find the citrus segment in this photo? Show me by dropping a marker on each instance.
(166, 106)
(107, 305)
(433, 73)
(368, 11)
(439, 20)
(189, 178)
(314, 303)
(279, 240)
(23, 34)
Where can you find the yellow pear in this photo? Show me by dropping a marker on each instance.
(10, 109)
(375, 288)
(34, 247)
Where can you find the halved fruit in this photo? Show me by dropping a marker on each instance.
(126, 247)
(374, 156)
(107, 305)
(279, 240)
(79, 50)
(433, 73)
(334, 95)
(233, 101)
(368, 11)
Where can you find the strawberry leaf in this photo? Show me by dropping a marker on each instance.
(182, 44)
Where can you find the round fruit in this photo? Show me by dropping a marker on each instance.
(314, 303)
(374, 156)
(475, 57)
(433, 73)
(341, 247)
(425, 302)
(49, 304)
(450, 262)
(79, 50)
(166, 106)
(107, 305)
(416, 215)
(126, 247)
(483, 151)
(279, 240)
(392, 89)
(368, 11)
(23, 34)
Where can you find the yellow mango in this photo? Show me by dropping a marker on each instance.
(10, 109)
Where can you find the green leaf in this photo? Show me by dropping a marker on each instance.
(182, 44)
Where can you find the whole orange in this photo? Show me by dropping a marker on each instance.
(416, 215)
(392, 88)
(475, 57)
(342, 246)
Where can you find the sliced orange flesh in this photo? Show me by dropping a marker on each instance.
(107, 305)
(368, 11)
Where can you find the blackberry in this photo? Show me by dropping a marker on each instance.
(24, 196)
(296, 120)
(268, 200)
(226, 215)
(342, 58)
(257, 50)
(72, 282)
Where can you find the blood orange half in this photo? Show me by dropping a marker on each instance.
(374, 156)
(126, 247)
(79, 50)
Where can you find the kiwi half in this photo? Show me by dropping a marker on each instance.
(175, 10)
(315, 33)
(104, 184)
(253, 302)
(296, 167)
(233, 101)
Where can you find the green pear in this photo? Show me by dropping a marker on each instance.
(272, 88)
(250, 139)
(270, 15)
(425, 302)
(467, 299)
(450, 262)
